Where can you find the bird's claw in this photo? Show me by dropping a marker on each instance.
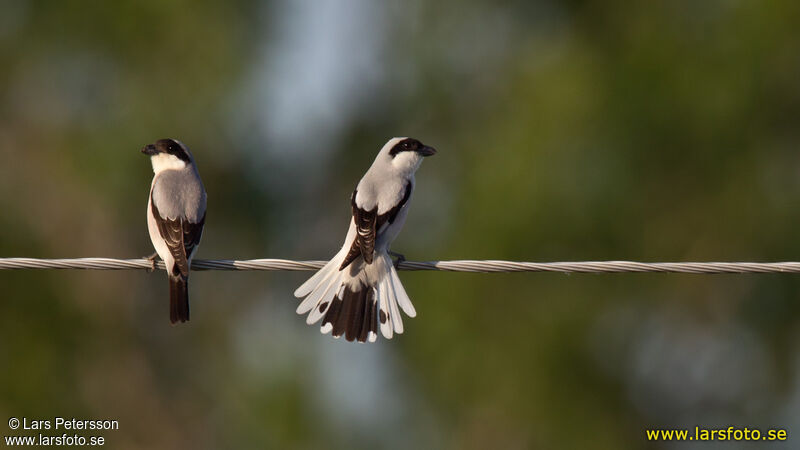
(152, 259)
(400, 258)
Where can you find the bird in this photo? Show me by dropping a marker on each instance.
(358, 290)
(176, 214)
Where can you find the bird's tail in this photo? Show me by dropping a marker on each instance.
(178, 299)
(357, 300)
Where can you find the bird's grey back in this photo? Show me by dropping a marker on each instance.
(180, 193)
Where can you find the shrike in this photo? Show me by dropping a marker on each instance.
(359, 288)
(176, 212)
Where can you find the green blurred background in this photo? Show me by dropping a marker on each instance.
(566, 131)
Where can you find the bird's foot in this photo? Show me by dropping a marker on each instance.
(152, 259)
(399, 258)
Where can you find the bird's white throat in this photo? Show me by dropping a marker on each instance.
(406, 163)
(165, 161)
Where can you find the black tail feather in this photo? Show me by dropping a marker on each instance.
(368, 315)
(178, 299)
(353, 314)
(333, 312)
(356, 319)
(340, 326)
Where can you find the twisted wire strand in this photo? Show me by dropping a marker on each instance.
(477, 266)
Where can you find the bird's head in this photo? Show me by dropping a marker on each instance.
(405, 154)
(168, 154)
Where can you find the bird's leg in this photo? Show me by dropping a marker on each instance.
(400, 258)
(152, 259)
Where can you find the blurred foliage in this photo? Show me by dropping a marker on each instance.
(566, 131)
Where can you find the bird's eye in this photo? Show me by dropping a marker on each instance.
(407, 145)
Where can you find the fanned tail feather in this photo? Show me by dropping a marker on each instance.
(356, 301)
(400, 294)
(312, 282)
(384, 313)
(330, 280)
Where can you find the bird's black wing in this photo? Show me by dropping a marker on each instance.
(365, 233)
(368, 224)
(181, 237)
(192, 232)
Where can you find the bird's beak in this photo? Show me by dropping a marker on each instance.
(427, 151)
(150, 150)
